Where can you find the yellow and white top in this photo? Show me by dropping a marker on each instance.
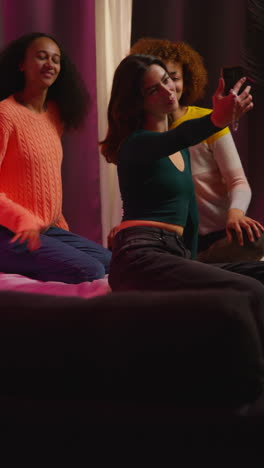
(219, 178)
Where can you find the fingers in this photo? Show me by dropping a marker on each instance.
(221, 86)
(31, 237)
(248, 107)
(14, 239)
(228, 109)
(258, 229)
(20, 237)
(260, 226)
(109, 241)
(23, 237)
(239, 235)
(245, 98)
(238, 84)
(34, 242)
(111, 236)
(249, 232)
(253, 230)
(243, 103)
(245, 93)
(229, 235)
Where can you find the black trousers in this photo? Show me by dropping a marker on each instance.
(147, 258)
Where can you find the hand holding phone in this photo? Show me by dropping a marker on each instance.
(231, 75)
(227, 109)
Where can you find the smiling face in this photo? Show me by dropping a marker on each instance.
(159, 92)
(41, 65)
(176, 73)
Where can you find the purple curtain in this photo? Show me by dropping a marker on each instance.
(72, 23)
(218, 30)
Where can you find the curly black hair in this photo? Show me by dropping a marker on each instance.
(68, 91)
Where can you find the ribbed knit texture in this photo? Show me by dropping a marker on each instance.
(30, 167)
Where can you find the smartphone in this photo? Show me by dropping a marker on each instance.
(231, 75)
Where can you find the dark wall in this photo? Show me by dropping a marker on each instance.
(217, 33)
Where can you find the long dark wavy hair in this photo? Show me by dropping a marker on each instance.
(68, 91)
(126, 106)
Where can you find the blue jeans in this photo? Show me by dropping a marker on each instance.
(62, 256)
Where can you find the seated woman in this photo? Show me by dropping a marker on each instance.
(40, 93)
(156, 241)
(222, 190)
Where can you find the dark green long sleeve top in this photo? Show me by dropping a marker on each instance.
(151, 186)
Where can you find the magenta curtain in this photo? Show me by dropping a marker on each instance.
(216, 29)
(72, 23)
(219, 31)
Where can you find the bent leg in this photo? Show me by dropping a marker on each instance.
(147, 258)
(252, 269)
(53, 261)
(221, 250)
(82, 244)
(151, 264)
(149, 269)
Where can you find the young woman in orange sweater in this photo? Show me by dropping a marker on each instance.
(41, 93)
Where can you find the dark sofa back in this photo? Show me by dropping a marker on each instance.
(200, 348)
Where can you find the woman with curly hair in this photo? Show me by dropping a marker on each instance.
(222, 190)
(41, 93)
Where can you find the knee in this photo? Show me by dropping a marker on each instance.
(107, 260)
(252, 285)
(90, 272)
(250, 251)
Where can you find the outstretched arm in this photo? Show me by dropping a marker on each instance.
(146, 146)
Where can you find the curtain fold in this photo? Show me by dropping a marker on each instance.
(113, 32)
(91, 193)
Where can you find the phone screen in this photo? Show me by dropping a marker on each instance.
(231, 75)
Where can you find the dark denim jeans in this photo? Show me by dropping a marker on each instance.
(151, 258)
(147, 258)
(62, 256)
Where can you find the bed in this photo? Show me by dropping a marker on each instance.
(80, 357)
(19, 283)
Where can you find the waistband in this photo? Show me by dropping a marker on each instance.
(138, 230)
(145, 223)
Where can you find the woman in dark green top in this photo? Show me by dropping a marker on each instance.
(155, 243)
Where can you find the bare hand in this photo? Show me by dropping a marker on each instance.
(236, 222)
(31, 237)
(111, 236)
(227, 109)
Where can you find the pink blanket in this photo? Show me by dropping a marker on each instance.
(13, 282)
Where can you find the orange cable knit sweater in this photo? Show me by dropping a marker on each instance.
(30, 167)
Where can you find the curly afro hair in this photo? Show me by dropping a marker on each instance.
(194, 72)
